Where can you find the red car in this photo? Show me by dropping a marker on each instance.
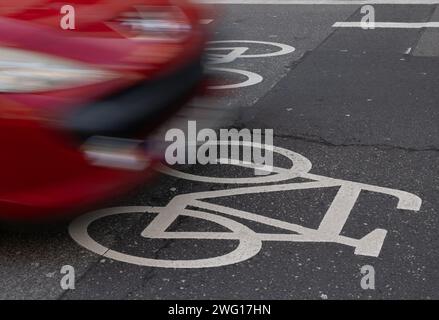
(73, 103)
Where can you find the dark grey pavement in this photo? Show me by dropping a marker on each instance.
(360, 105)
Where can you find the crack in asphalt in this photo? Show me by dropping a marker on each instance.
(145, 277)
(327, 143)
(150, 274)
(91, 266)
(319, 140)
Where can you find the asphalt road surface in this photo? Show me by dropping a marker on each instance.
(359, 105)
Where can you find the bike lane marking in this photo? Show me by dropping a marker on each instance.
(252, 79)
(250, 242)
(236, 53)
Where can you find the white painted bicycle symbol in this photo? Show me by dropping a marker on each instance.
(250, 242)
(229, 53)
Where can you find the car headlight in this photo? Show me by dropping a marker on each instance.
(161, 23)
(28, 72)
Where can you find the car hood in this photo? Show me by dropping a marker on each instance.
(35, 25)
(88, 12)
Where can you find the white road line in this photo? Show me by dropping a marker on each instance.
(390, 25)
(322, 2)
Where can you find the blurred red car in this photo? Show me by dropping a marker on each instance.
(72, 101)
